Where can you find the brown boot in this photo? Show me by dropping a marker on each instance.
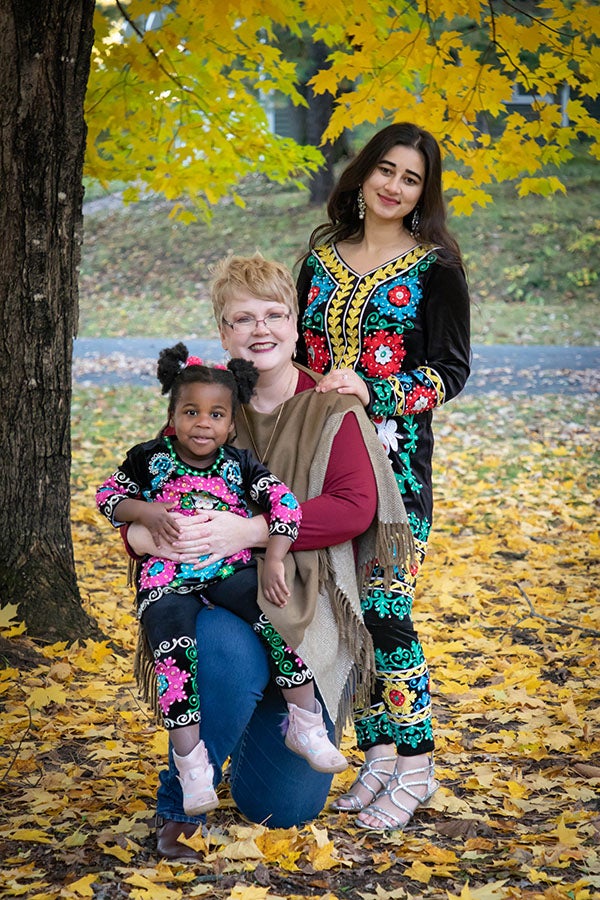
(167, 843)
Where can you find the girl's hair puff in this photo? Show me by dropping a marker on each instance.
(239, 377)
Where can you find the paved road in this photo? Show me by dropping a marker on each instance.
(506, 368)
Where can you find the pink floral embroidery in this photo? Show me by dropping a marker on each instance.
(156, 573)
(170, 680)
(284, 505)
(187, 485)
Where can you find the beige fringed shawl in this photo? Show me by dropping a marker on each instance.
(323, 620)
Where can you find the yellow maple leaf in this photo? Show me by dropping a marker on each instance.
(196, 841)
(7, 613)
(492, 891)
(568, 837)
(517, 790)
(420, 872)
(155, 892)
(9, 623)
(90, 657)
(77, 839)
(569, 713)
(41, 697)
(323, 858)
(82, 887)
(248, 892)
(279, 845)
(36, 835)
(240, 850)
(120, 852)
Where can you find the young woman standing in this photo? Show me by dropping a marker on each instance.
(384, 314)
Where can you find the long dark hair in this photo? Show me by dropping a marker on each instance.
(342, 208)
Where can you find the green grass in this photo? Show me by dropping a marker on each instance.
(530, 261)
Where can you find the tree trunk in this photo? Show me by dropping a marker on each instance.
(320, 107)
(45, 50)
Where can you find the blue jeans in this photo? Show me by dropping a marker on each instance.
(242, 712)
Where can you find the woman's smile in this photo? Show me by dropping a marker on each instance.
(267, 346)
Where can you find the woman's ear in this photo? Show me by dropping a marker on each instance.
(223, 335)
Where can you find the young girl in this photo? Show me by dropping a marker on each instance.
(192, 470)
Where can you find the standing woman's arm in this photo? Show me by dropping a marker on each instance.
(445, 369)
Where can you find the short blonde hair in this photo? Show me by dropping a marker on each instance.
(262, 278)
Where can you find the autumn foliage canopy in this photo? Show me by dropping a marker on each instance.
(177, 95)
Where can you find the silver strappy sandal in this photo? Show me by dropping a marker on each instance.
(390, 821)
(366, 770)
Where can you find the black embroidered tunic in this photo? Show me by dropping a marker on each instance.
(404, 327)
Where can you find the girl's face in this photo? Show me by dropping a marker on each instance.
(203, 422)
(394, 187)
(262, 331)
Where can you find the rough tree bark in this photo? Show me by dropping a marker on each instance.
(45, 49)
(320, 107)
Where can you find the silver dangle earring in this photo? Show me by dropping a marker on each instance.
(414, 225)
(360, 202)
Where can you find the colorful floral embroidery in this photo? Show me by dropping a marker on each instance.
(317, 352)
(313, 294)
(291, 670)
(399, 295)
(160, 466)
(383, 354)
(387, 432)
(170, 679)
(376, 323)
(400, 699)
(156, 573)
(222, 486)
(420, 399)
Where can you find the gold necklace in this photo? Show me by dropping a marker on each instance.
(262, 458)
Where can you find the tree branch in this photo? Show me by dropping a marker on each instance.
(560, 622)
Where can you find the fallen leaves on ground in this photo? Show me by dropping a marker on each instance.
(507, 611)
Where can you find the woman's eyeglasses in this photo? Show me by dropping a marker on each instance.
(246, 324)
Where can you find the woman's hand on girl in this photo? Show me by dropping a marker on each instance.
(217, 534)
(344, 381)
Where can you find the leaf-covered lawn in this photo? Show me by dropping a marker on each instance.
(508, 613)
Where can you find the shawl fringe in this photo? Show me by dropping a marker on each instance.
(362, 675)
(144, 672)
(394, 549)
